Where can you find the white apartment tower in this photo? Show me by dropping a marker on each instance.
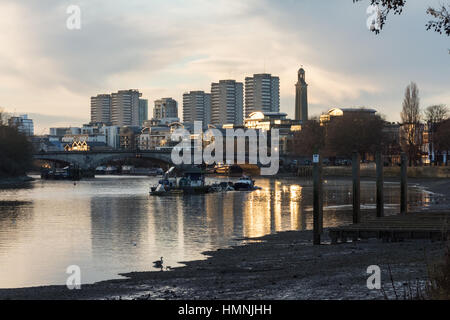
(227, 103)
(125, 108)
(101, 108)
(262, 93)
(197, 107)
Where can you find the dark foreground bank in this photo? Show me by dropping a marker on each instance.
(280, 266)
(14, 182)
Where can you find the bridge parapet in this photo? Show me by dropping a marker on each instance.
(88, 160)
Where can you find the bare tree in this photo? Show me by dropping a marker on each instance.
(434, 115)
(442, 137)
(441, 24)
(360, 132)
(15, 150)
(411, 104)
(309, 140)
(412, 130)
(2, 117)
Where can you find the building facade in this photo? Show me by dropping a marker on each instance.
(101, 108)
(143, 111)
(129, 137)
(23, 124)
(197, 107)
(227, 103)
(125, 108)
(112, 136)
(266, 121)
(301, 97)
(165, 108)
(262, 93)
(341, 112)
(152, 138)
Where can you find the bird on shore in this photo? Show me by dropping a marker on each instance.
(158, 264)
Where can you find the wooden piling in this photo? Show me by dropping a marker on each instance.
(404, 184)
(380, 183)
(317, 202)
(356, 160)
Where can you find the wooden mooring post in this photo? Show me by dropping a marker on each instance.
(356, 162)
(380, 183)
(404, 184)
(317, 199)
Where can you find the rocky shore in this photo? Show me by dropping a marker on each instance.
(279, 266)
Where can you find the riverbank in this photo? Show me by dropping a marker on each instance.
(278, 266)
(12, 182)
(369, 170)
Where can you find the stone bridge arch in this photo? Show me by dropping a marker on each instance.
(160, 157)
(91, 160)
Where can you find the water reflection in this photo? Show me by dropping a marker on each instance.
(111, 225)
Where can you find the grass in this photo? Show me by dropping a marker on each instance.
(435, 287)
(438, 284)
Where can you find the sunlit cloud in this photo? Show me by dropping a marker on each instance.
(165, 48)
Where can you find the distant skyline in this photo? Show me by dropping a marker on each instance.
(167, 48)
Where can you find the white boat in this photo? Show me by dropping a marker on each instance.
(193, 182)
(245, 183)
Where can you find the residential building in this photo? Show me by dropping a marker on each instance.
(266, 121)
(165, 108)
(61, 131)
(23, 124)
(101, 108)
(129, 137)
(125, 108)
(46, 143)
(143, 111)
(262, 93)
(153, 137)
(112, 136)
(160, 122)
(340, 112)
(226, 103)
(197, 107)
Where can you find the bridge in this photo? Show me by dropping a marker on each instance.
(88, 160)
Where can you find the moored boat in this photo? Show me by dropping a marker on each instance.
(245, 183)
(192, 182)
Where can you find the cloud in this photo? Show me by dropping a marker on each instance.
(165, 48)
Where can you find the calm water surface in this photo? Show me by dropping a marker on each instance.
(110, 225)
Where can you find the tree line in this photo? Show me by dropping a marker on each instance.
(368, 133)
(15, 150)
(341, 136)
(423, 127)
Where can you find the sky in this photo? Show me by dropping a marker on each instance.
(167, 47)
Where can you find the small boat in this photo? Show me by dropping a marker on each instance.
(192, 182)
(245, 183)
(228, 169)
(222, 187)
(67, 173)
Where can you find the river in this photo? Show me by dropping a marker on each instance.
(110, 224)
